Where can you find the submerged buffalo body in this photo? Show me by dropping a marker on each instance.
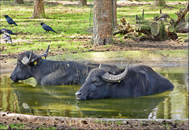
(48, 72)
(136, 81)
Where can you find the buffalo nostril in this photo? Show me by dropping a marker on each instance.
(77, 93)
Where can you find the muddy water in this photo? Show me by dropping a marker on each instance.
(29, 98)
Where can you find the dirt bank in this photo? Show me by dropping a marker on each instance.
(44, 122)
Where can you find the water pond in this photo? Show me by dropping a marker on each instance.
(30, 98)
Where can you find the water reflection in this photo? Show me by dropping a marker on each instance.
(45, 100)
(30, 98)
(123, 107)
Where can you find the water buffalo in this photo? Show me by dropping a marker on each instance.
(48, 72)
(132, 82)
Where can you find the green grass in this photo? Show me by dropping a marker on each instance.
(22, 126)
(3, 126)
(15, 126)
(67, 20)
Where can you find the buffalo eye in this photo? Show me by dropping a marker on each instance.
(96, 81)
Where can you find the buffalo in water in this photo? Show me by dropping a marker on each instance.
(48, 72)
(132, 82)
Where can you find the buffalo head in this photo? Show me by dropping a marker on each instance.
(98, 82)
(25, 62)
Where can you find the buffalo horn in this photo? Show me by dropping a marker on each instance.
(25, 60)
(46, 52)
(115, 78)
(100, 65)
(44, 55)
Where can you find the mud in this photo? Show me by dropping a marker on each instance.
(44, 122)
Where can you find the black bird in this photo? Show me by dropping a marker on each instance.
(7, 37)
(46, 27)
(9, 20)
(9, 31)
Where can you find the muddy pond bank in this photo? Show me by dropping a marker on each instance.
(42, 122)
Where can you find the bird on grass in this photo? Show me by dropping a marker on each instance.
(9, 31)
(46, 27)
(9, 20)
(7, 37)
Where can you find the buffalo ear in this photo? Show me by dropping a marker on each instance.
(36, 60)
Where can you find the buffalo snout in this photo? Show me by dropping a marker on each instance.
(13, 78)
(80, 96)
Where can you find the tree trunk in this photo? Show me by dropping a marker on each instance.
(115, 12)
(102, 22)
(159, 2)
(18, 1)
(38, 9)
(82, 2)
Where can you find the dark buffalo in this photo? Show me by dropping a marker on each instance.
(132, 82)
(48, 72)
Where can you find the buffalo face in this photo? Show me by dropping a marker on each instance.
(98, 84)
(94, 87)
(24, 66)
(22, 71)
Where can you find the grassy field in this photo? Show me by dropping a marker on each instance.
(68, 20)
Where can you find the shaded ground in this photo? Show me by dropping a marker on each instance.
(43, 122)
